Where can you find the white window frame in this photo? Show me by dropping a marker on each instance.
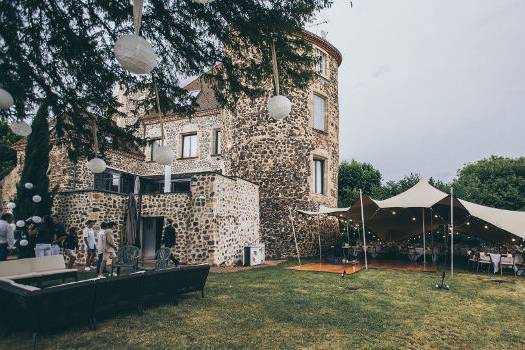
(319, 124)
(193, 146)
(321, 63)
(319, 176)
(217, 138)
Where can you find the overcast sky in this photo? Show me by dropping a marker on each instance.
(427, 86)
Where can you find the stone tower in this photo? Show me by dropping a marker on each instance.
(294, 161)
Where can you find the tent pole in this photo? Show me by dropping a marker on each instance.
(319, 232)
(432, 235)
(294, 236)
(364, 232)
(424, 242)
(452, 232)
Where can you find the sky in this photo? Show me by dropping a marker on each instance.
(427, 86)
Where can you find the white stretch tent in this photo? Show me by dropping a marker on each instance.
(337, 212)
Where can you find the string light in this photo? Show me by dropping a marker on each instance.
(393, 213)
(413, 219)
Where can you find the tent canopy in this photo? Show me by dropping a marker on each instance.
(338, 212)
(421, 195)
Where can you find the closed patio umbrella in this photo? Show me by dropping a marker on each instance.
(131, 221)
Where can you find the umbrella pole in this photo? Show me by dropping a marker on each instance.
(294, 236)
(364, 232)
(451, 232)
(424, 242)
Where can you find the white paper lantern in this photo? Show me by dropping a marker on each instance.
(36, 219)
(11, 205)
(135, 54)
(28, 185)
(279, 107)
(96, 165)
(20, 223)
(24, 242)
(37, 198)
(21, 128)
(6, 100)
(204, 2)
(163, 155)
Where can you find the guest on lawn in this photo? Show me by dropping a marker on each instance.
(70, 246)
(44, 236)
(168, 239)
(89, 240)
(101, 244)
(109, 246)
(60, 235)
(7, 235)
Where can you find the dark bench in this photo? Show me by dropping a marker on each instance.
(40, 310)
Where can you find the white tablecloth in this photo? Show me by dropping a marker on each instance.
(496, 258)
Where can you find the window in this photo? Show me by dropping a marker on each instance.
(320, 62)
(189, 146)
(319, 110)
(149, 150)
(114, 181)
(153, 186)
(217, 142)
(319, 176)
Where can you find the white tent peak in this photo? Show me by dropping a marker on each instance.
(421, 195)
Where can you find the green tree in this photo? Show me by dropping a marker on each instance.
(7, 154)
(392, 188)
(36, 164)
(354, 176)
(497, 182)
(59, 53)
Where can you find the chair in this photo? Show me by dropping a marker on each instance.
(472, 259)
(484, 259)
(127, 257)
(162, 258)
(507, 262)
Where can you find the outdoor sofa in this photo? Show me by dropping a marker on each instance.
(38, 310)
(36, 269)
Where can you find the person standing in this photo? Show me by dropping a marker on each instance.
(109, 245)
(7, 235)
(44, 236)
(168, 239)
(89, 240)
(101, 243)
(60, 235)
(70, 246)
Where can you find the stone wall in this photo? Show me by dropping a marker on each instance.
(213, 222)
(278, 156)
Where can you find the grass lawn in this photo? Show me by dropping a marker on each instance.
(276, 308)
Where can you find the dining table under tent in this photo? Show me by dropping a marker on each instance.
(322, 211)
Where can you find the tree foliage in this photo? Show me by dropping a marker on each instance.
(354, 176)
(497, 182)
(60, 53)
(7, 154)
(36, 165)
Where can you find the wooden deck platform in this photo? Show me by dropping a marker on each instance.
(353, 268)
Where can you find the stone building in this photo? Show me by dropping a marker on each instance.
(234, 178)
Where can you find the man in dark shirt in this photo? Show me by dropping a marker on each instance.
(70, 245)
(168, 239)
(60, 235)
(44, 236)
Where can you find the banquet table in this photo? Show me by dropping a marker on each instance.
(518, 261)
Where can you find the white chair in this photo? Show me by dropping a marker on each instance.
(507, 262)
(484, 260)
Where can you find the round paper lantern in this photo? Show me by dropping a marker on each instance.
(13, 226)
(163, 155)
(135, 54)
(28, 185)
(21, 128)
(6, 100)
(96, 165)
(24, 242)
(37, 198)
(11, 205)
(20, 223)
(279, 107)
(36, 219)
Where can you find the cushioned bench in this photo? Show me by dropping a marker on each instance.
(41, 268)
(42, 309)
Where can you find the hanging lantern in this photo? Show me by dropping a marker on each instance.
(24, 242)
(96, 165)
(37, 198)
(21, 129)
(163, 155)
(6, 100)
(11, 205)
(279, 107)
(135, 54)
(36, 219)
(20, 223)
(28, 185)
